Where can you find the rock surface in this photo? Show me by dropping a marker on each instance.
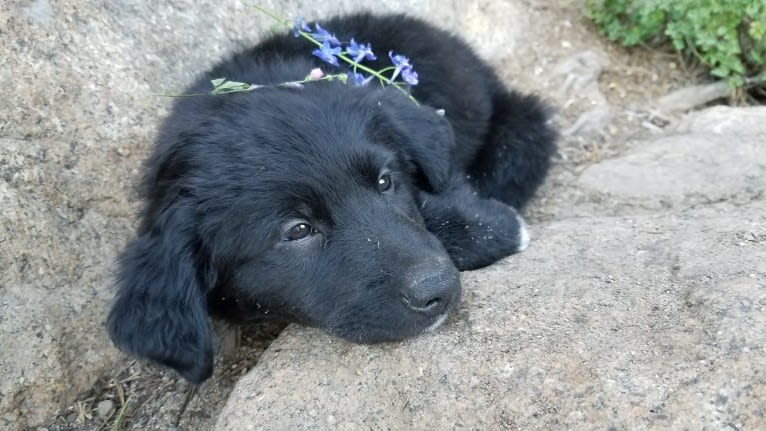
(648, 318)
(716, 155)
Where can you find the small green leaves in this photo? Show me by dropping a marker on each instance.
(222, 86)
(727, 36)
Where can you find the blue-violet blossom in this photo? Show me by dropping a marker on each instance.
(299, 25)
(404, 67)
(323, 35)
(331, 51)
(328, 53)
(360, 51)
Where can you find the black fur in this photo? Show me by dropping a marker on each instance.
(347, 208)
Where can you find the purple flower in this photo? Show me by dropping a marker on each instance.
(322, 35)
(327, 53)
(358, 79)
(399, 61)
(299, 25)
(360, 51)
(404, 67)
(410, 76)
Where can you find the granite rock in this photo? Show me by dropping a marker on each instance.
(714, 155)
(634, 320)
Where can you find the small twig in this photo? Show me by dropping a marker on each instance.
(187, 400)
(120, 415)
(755, 80)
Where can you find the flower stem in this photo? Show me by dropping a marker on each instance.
(355, 65)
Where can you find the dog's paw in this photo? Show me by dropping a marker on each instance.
(476, 232)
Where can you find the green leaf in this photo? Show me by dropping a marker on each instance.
(727, 35)
(720, 71)
(232, 85)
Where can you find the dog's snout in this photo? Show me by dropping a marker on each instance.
(431, 289)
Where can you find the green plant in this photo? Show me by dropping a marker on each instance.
(727, 36)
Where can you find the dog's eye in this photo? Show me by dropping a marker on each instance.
(299, 231)
(385, 182)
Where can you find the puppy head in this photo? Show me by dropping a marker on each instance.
(292, 203)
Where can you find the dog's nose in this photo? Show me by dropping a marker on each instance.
(430, 289)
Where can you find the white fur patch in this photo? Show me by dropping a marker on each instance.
(523, 235)
(437, 323)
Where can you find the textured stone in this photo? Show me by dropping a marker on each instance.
(694, 96)
(652, 322)
(647, 320)
(715, 155)
(104, 408)
(579, 75)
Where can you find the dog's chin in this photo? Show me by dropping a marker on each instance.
(401, 331)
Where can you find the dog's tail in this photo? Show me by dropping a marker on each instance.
(518, 148)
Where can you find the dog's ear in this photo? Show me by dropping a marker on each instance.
(427, 138)
(161, 308)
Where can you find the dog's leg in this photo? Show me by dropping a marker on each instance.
(475, 231)
(516, 155)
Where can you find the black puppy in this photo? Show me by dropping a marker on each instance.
(349, 208)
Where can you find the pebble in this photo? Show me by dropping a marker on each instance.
(104, 408)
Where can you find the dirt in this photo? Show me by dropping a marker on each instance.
(143, 396)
